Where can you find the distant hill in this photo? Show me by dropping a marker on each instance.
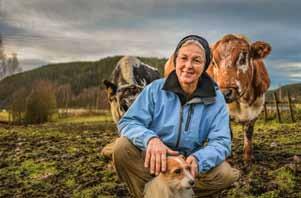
(293, 89)
(79, 75)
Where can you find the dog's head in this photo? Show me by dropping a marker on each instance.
(178, 173)
(121, 98)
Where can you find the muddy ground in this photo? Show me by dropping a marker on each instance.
(63, 160)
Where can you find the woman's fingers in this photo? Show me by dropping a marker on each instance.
(152, 163)
(158, 162)
(193, 169)
(147, 158)
(155, 161)
(155, 158)
(193, 165)
(163, 160)
(172, 152)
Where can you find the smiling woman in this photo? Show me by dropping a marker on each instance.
(173, 116)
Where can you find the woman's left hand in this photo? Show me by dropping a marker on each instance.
(193, 162)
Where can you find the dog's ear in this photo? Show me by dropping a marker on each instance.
(111, 87)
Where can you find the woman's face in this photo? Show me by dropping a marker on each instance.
(190, 64)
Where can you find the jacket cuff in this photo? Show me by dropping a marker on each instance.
(203, 167)
(147, 138)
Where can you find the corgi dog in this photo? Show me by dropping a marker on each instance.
(176, 182)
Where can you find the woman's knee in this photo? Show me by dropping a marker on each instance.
(120, 146)
(228, 174)
(124, 149)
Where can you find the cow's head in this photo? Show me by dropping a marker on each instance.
(121, 98)
(233, 65)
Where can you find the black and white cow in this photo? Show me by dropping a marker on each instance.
(128, 79)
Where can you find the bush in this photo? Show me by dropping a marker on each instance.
(41, 103)
(17, 105)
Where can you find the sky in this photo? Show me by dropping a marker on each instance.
(51, 31)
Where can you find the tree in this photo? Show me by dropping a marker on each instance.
(18, 105)
(13, 64)
(2, 59)
(63, 97)
(8, 65)
(1, 48)
(102, 99)
(41, 103)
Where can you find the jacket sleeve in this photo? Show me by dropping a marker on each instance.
(136, 121)
(219, 142)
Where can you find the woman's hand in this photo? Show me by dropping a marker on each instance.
(193, 162)
(155, 158)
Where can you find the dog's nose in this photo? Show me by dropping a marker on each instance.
(191, 182)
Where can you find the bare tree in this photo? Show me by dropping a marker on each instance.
(13, 64)
(64, 96)
(2, 59)
(8, 65)
(18, 105)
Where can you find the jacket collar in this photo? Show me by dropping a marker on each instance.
(205, 91)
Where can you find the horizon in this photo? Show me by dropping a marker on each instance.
(271, 88)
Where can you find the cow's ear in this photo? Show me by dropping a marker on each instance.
(215, 52)
(169, 65)
(111, 87)
(214, 46)
(260, 49)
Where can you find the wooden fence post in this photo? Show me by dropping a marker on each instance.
(290, 106)
(265, 112)
(277, 107)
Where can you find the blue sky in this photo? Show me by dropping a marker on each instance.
(44, 31)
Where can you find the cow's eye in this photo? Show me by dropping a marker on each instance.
(242, 59)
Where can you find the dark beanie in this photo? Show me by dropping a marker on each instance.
(201, 41)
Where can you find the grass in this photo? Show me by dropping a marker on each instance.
(87, 119)
(3, 115)
(56, 159)
(273, 173)
(62, 159)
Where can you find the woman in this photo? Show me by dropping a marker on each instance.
(182, 114)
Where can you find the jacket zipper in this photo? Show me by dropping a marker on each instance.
(190, 112)
(180, 126)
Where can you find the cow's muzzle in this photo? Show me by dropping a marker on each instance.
(230, 94)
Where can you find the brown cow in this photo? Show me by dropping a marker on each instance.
(238, 68)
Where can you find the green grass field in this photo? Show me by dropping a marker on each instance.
(62, 159)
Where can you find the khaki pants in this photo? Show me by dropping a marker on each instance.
(129, 165)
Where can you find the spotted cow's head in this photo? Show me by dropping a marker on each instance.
(233, 65)
(121, 98)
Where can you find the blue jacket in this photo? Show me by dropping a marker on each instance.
(196, 126)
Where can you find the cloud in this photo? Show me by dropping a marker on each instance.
(53, 31)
